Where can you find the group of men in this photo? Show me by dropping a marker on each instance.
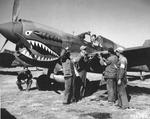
(71, 72)
(114, 75)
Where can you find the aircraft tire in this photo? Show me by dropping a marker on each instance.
(43, 82)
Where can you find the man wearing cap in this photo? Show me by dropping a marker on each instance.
(110, 75)
(94, 40)
(82, 69)
(69, 76)
(122, 79)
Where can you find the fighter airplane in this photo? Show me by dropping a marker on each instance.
(39, 45)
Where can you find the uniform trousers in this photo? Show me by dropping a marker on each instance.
(82, 75)
(112, 89)
(69, 93)
(122, 96)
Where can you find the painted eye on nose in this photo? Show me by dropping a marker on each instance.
(28, 33)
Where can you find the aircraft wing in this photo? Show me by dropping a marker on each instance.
(137, 56)
(9, 59)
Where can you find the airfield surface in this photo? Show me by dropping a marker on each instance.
(37, 104)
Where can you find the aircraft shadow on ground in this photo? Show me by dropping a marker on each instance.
(137, 90)
(49, 84)
(92, 87)
(97, 115)
(6, 115)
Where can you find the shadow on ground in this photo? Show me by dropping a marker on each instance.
(97, 115)
(6, 115)
(93, 86)
(46, 83)
(137, 90)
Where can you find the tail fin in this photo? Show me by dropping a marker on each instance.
(146, 43)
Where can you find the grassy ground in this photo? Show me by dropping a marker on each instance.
(37, 104)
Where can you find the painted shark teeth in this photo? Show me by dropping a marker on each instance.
(36, 43)
(39, 58)
(26, 53)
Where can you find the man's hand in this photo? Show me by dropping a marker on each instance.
(119, 82)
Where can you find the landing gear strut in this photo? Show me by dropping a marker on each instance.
(141, 76)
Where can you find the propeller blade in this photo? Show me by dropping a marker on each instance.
(16, 10)
(3, 45)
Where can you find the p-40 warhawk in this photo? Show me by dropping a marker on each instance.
(40, 46)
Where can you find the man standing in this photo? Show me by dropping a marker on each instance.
(82, 69)
(93, 40)
(69, 76)
(122, 80)
(110, 75)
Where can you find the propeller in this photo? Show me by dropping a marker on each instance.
(16, 10)
(4, 45)
(15, 14)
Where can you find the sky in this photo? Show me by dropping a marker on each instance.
(126, 22)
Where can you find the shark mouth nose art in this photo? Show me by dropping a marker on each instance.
(41, 52)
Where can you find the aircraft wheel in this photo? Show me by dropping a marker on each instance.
(43, 82)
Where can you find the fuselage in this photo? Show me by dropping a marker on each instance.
(46, 43)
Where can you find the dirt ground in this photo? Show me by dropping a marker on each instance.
(37, 104)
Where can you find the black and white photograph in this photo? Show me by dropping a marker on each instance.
(75, 59)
